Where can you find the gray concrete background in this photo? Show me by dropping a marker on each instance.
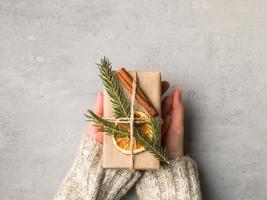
(215, 50)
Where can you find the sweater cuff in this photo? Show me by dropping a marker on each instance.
(88, 180)
(84, 178)
(178, 180)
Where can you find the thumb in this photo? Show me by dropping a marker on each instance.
(94, 131)
(177, 112)
(98, 108)
(173, 139)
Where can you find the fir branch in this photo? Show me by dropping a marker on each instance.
(152, 144)
(114, 90)
(109, 128)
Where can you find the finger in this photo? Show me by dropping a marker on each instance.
(166, 106)
(98, 108)
(177, 111)
(165, 110)
(94, 131)
(98, 136)
(173, 138)
(166, 124)
(164, 86)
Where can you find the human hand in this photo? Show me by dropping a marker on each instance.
(94, 132)
(172, 128)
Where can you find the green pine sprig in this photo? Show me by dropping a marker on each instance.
(122, 110)
(113, 88)
(152, 144)
(110, 128)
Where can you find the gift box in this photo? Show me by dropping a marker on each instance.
(116, 153)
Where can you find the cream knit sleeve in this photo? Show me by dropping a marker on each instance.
(178, 180)
(87, 180)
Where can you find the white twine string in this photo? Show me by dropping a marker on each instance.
(127, 120)
(132, 121)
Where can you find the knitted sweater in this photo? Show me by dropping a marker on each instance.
(87, 180)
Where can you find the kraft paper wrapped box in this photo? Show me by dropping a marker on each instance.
(150, 83)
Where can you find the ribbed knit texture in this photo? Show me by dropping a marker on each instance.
(87, 180)
(178, 180)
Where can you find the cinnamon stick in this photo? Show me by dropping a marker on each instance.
(127, 81)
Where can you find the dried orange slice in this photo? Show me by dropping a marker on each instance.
(123, 144)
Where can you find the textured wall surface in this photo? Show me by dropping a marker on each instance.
(216, 50)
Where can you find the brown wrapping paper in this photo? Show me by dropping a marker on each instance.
(150, 82)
